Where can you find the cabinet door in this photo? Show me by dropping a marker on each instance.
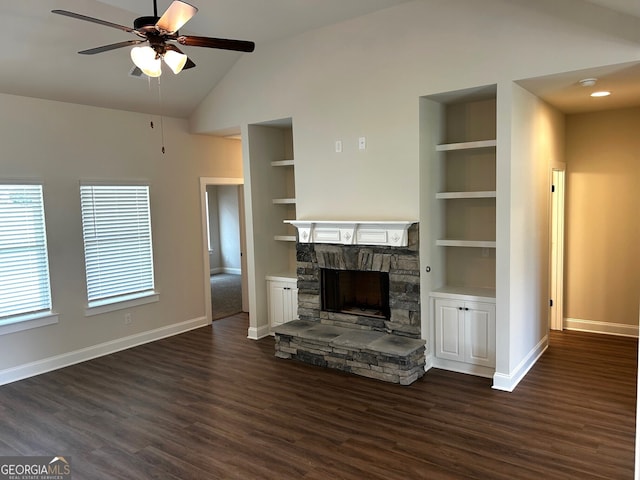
(283, 302)
(449, 329)
(276, 303)
(290, 299)
(480, 334)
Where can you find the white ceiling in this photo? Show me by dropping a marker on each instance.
(39, 56)
(631, 7)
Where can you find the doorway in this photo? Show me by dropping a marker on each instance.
(225, 272)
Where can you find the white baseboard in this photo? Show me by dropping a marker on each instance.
(508, 382)
(70, 358)
(594, 326)
(215, 270)
(461, 367)
(256, 333)
(428, 362)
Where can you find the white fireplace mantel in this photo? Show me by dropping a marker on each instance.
(387, 233)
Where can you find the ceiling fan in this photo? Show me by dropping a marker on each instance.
(159, 33)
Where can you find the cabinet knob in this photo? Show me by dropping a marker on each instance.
(428, 269)
(466, 309)
(460, 308)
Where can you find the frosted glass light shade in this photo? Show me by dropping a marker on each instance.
(175, 60)
(146, 60)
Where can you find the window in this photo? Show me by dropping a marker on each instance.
(116, 226)
(24, 265)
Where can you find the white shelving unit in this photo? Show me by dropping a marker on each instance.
(466, 243)
(271, 166)
(464, 188)
(454, 195)
(458, 198)
(284, 170)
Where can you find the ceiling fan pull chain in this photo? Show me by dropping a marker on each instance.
(161, 120)
(149, 86)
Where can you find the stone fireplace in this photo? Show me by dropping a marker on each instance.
(355, 292)
(358, 304)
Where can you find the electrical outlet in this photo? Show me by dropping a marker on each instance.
(338, 146)
(362, 143)
(127, 319)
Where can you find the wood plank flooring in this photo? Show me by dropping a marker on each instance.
(210, 404)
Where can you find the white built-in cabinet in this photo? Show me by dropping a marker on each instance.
(458, 198)
(282, 300)
(465, 331)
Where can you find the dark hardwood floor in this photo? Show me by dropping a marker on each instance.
(210, 404)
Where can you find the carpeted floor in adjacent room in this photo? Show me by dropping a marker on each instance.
(226, 295)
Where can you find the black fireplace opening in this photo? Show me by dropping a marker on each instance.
(355, 292)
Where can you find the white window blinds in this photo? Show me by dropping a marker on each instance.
(24, 266)
(116, 225)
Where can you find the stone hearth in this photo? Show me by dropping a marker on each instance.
(386, 357)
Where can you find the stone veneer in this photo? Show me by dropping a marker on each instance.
(389, 350)
(402, 264)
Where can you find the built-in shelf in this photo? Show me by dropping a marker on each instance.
(452, 195)
(282, 163)
(284, 201)
(282, 276)
(445, 147)
(285, 238)
(465, 293)
(466, 243)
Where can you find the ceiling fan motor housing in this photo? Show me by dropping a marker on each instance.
(145, 24)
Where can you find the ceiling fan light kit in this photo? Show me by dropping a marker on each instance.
(159, 32)
(176, 61)
(145, 59)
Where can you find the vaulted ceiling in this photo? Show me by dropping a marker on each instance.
(39, 56)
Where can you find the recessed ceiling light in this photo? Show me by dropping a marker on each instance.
(602, 93)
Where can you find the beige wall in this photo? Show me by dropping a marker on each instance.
(602, 253)
(61, 144)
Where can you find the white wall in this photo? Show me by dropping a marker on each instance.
(215, 258)
(364, 77)
(61, 144)
(228, 213)
(536, 141)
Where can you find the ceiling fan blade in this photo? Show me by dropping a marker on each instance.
(93, 20)
(222, 43)
(175, 16)
(113, 46)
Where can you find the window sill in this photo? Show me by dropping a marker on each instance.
(27, 322)
(120, 303)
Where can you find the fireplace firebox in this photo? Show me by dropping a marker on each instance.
(356, 292)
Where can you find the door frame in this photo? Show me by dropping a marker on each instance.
(557, 176)
(204, 181)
